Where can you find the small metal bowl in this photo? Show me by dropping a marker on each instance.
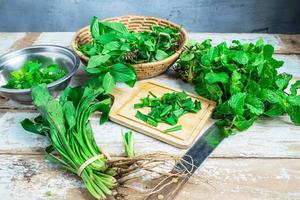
(46, 54)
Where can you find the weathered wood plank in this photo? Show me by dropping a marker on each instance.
(249, 179)
(283, 44)
(276, 138)
(32, 177)
(8, 39)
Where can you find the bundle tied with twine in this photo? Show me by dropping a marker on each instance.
(65, 122)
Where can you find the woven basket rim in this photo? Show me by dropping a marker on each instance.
(75, 47)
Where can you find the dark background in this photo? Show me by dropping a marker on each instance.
(267, 16)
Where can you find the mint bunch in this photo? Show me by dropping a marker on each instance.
(242, 79)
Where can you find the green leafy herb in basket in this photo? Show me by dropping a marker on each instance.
(115, 48)
(34, 73)
(242, 79)
(168, 109)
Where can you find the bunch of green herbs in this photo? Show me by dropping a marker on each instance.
(65, 122)
(168, 108)
(243, 79)
(34, 73)
(114, 49)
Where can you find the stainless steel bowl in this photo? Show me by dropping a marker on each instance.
(46, 54)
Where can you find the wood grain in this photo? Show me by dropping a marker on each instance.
(123, 112)
(25, 177)
(260, 163)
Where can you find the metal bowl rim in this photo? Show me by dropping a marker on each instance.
(50, 85)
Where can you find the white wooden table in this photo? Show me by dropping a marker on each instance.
(260, 163)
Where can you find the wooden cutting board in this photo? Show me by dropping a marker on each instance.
(123, 112)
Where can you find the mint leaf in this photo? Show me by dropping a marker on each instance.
(255, 105)
(268, 51)
(244, 124)
(295, 87)
(212, 77)
(240, 57)
(283, 81)
(237, 102)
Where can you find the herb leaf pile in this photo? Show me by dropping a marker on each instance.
(65, 122)
(242, 79)
(168, 108)
(34, 73)
(115, 48)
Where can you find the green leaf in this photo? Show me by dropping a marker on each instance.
(94, 27)
(122, 72)
(69, 111)
(212, 77)
(294, 113)
(237, 102)
(294, 100)
(187, 56)
(112, 46)
(283, 82)
(119, 27)
(240, 57)
(40, 95)
(275, 111)
(30, 126)
(255, 105)
(108, 82)
(268, 51)
(244, 124)
(98, 60)
(295, 87)
(270, 96)
(160, 55)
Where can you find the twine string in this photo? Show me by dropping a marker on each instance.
(87, 163)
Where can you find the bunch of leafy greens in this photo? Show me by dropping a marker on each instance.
(115, 48)
(167, 108)
(33, 73)
(242, 79)
(66, 125)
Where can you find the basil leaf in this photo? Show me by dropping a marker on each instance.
(98, 60)
(108, 82)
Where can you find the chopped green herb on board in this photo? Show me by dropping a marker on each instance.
(174, 128)
(166, 109)
(243, 79)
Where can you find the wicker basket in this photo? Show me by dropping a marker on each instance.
(135, 23)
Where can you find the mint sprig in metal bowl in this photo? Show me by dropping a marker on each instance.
(64, 58)
(143, 69)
